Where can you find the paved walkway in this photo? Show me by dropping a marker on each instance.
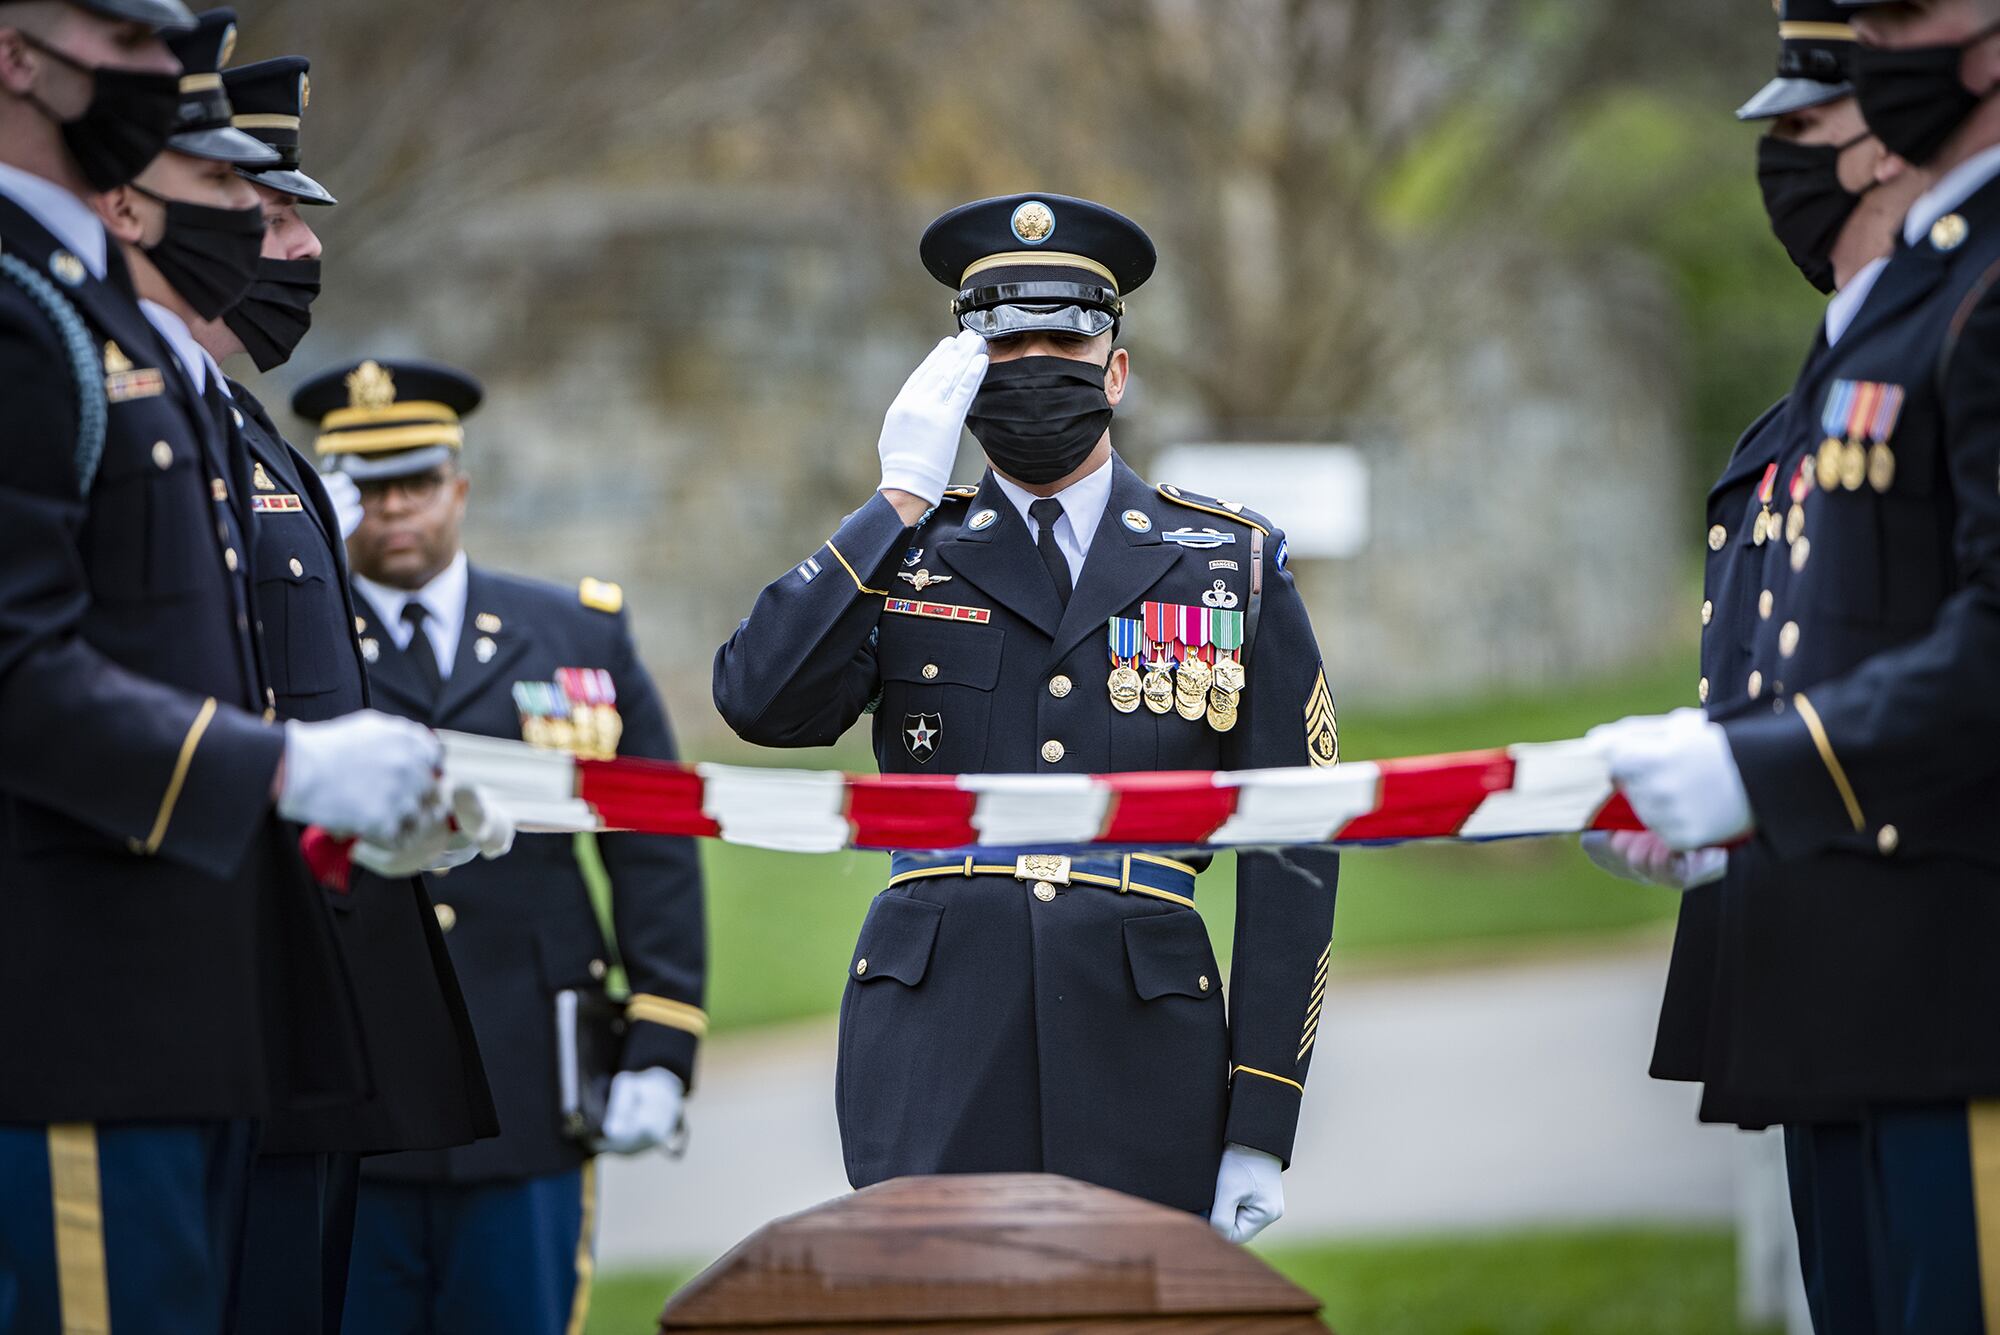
(1480, 1097)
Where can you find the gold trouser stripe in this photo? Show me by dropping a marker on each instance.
(1055, 259)
(1283, 1080)
(389, 438)
(1798, 30)
(586, 1263)
(1076, 878)
(182, 763)
(666, 1011)
(1982, 1133)
(850, 572)
(1830, 760)
(78, 1206)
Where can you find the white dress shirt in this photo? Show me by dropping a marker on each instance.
(61, 214)
(444, 610)
(1952, 189)
(181, 339)
(1083, 503)
(1846, 303)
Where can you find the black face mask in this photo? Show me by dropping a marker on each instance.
(209, 256)
(1038, 418)
(125, 126)
(275, 316)
(1914, 99)
(1806, 202)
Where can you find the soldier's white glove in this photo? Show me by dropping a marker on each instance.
(644, 1111)
(920, 433)
(1643, 857)
(484, 827)
(448, 833)
(346, 498)
(1677, 772)
(366, 774)
(1249, 1193)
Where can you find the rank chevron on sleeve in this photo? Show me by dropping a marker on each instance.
(1547, 788)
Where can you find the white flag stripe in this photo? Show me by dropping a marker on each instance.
(1558, 787)
(792, 811)
(514, 769)
(1016, 809)
(533, 817)
(1300, 806)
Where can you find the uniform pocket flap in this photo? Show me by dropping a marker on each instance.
(896, 940)
(943, 655)
(1170, 956)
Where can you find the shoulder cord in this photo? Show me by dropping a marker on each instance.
(81, 348)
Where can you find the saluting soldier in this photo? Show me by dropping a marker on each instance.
(1858, 957)
(497, 1236)
(1040, 1013)
(429, 1089)
(139, 757)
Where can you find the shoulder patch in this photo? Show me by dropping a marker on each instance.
(1211, 506)
(601, 594)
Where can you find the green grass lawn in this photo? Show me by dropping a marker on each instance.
(781, 926)
(1603, 1282)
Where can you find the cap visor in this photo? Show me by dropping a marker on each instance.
(165, 15)
(378, 467)
(223, 144)
(298, 185)
(1781, 97)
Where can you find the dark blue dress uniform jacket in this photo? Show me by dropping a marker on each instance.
(1857, 962)
(163, 953)
(429, 1087)
(1084, 1035)
(522, 927)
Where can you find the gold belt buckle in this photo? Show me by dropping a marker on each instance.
(1046, 870)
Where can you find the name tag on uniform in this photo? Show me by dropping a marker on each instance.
(280, 504)
(911, 607)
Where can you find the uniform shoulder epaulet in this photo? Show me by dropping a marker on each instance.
(601, 594)
(960, 493)
(1210, 505)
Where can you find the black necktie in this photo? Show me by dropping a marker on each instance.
(419, 651)
(1045, 512)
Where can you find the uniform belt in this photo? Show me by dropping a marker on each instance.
(1132, 874)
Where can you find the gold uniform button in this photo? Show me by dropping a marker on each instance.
(1701, 690)
(1788, 638)
(1202, 982)
(1717, 536)
(1707, 612)
(861, 968)
(1053, 751)
(598, 968)
(1765, 602)
(1044, 891)
(163, 454)
(1888, 840)
(229, 557)
(298, 566)
(930, 671)
(447, 917)
(1949, 232)
(1060, 686)
(1756, 684)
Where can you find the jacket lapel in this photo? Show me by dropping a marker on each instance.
(1002, 560)
(1121, 565)
(1913, 273)
(267, 447)
(469, 676)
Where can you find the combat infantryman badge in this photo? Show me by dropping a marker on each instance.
(920, 735)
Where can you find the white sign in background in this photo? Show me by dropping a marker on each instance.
(1317, 493)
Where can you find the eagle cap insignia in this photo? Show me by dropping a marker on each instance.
(1034, 222)
(369, 385)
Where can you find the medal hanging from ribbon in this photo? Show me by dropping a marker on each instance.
(1833, 421)
(1225, 695)
(1192, 681)
(1162, 625)
(1882, 425)
(1125, 636)
(1767, 520)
